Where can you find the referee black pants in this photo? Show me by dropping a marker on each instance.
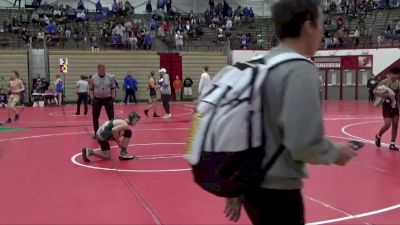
(97, 104)
(273, 207)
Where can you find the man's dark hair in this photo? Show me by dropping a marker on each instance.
(290, 15)
(395, 70)
(205, 68)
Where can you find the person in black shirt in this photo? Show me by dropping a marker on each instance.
(371, 84)
(187, 88)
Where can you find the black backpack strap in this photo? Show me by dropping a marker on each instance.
(273, 159)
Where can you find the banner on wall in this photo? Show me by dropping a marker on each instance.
(327, 65)
(365, 61)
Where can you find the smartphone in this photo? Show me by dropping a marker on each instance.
(357, 144)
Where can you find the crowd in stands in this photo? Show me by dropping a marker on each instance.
(55, 23)
(50, 23)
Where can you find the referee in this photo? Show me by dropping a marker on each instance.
(102, 91)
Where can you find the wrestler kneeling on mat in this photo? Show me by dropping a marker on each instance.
(117, 130)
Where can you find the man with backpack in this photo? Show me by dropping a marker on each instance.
(273, 102)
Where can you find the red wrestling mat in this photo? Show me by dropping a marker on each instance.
(45, 181)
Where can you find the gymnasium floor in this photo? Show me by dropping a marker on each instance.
(44, 180)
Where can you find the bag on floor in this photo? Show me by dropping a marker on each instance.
(226, 144)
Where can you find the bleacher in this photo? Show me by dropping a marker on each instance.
(117, 63)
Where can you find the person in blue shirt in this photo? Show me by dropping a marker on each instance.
(99, 7)
(59, 83)
(130, 87)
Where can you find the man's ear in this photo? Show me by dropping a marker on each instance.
(307, 28)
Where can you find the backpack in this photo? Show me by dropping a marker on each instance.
(226, 146)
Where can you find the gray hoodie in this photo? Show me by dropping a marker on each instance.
(166, 85)
(293, 117)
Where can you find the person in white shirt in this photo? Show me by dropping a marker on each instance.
(179, 41)
(82, 92)
(229, 24)
(205, 80)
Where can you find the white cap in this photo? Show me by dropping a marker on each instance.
(163, 70)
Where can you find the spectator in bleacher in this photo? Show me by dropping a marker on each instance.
(212, 5)
(99, 7)
(397, 29)
(207, 17)
(40, 36)
(15, 24)
(165, 26)
(24, 17)
(71, 13)
(148, 41)
(187, 28)
(168, 4)
(149, 7)
(119, 30)
(356, 37)
(225, 9)
(238, 15)
(228, 24)
(160, 4)
(389, 29)
(220, 36)
(153, 25)
(133, 41)
(41, 11)
(129, 9)
(115, 8)
(57, 13)
(161, 33)
(80, 16)
(179, 41)
(81, 6)
(332, 7)
(67, 32)
(26, 36)
(120, 8)
(35, 17)
(128, 25)
(52, 28)
(327, 40)
(19, 3)
(380, 39)
(45, 21)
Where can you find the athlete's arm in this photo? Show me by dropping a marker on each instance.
(380, 93)
(152, 83)
(91, 87)
(22, 87)
(117, 130)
